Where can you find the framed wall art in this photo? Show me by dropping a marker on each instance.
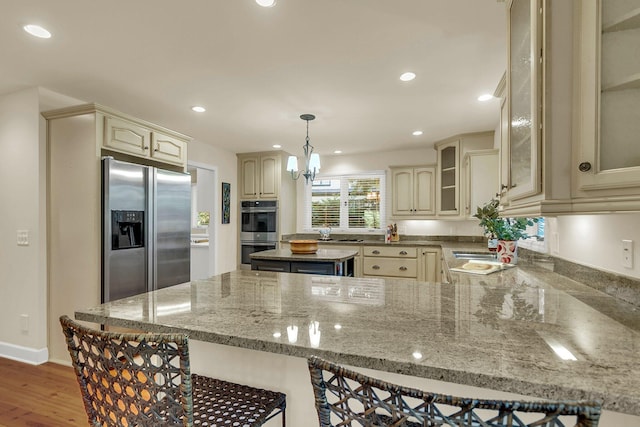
(226, 203)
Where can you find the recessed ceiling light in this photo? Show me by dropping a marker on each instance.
(37, 31)
(408, 76)
(485, 97)
(198, 109)
(417, 133)
(277, 146)
(337, 152)
(266, 3)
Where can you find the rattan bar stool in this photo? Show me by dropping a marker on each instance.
(129, 380)
(348, 398)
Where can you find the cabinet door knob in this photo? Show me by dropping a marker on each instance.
(376, 252)
(504, 186)
(376, 267)
(584, 167)
(157, 148)
(403, 268)
(146, 147)
(403, 252)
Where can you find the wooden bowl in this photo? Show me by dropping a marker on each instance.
(303, 246)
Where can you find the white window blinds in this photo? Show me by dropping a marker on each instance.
(353, 202)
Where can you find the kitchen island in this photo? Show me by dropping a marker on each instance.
(503, 335)
(330, 262)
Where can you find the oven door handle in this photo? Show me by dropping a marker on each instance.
(254, 211)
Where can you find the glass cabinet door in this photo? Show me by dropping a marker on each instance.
(524, 74)
(610, 122)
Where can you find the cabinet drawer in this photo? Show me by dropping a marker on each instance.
(388, 251)
(392, 267)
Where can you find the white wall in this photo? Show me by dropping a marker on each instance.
(22, 207)
(226, 235)
(595, 240)
(345, 164)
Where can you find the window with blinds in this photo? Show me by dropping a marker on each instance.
(352, 202)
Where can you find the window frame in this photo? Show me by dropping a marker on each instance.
(344, 209)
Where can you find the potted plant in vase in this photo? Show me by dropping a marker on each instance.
(506, 231)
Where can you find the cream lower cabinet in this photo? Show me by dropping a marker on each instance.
(390, 261)
(413, 191)
(429, 264)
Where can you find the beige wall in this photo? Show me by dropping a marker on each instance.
(22, 207)
(225, 235)
(596, 240)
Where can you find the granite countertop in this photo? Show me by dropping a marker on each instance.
(322, 255)
(504, 331)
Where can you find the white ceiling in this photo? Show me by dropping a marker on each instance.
(257, 69)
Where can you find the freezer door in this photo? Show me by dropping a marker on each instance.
(125, 252)
(172, 220)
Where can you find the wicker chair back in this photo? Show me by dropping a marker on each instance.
(131, 379)
(348, 398)
(141, 380)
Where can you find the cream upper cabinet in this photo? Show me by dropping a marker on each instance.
(126, 136)
(584, 99)
(450, 173)
(448, 181)
(413, 191)
(168, 149)
(259, 176)
(606, 163)
(143, 140)
(536, 115)
(482, 169)
(524, 83)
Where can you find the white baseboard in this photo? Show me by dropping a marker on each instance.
(24, 354)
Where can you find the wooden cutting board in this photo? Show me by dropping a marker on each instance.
(481, 267)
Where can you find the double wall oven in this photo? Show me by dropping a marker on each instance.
(259, 227)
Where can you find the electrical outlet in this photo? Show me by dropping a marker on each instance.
(24, 323)
(627, 253)
(23, 238)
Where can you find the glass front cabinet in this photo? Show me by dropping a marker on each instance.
(606, 164)
(572, 107)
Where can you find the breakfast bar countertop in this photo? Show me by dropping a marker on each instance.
(524, 330)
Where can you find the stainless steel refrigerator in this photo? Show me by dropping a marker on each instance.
(146, 228)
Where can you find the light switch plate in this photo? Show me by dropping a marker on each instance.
(23, 237)
(627, 253)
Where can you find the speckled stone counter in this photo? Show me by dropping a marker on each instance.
(506, 331)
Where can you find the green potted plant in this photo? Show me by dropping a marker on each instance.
(505, 231)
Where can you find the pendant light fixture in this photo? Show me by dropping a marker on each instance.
(311, 159)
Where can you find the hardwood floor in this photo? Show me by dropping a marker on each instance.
(46, 395)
